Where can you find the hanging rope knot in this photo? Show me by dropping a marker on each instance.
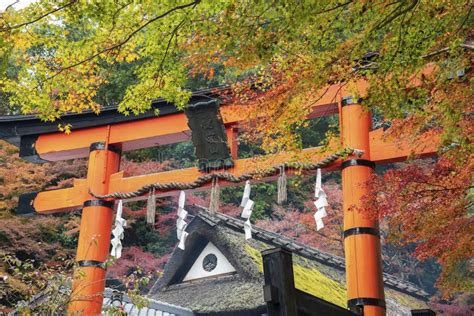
(282, 186)
(151, 207)
(215, 194)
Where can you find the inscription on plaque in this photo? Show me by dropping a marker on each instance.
(208, 135)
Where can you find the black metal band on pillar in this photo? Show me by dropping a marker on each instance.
(91, 263)
(357, 162)
(109, 204)
(361, 231)
(361, 301)
(350, 101)
(101, 146)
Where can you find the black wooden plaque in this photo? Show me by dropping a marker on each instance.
(208, 135)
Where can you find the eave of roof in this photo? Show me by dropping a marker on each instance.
(153, 308)
(302, 249)
(215, 294)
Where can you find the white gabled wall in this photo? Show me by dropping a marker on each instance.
(197, 271)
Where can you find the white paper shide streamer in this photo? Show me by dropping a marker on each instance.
(320, 203)
(182, 241)
(181, 221)
(247, 204)
(117, 232)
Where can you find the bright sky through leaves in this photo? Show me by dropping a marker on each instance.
(18, 5)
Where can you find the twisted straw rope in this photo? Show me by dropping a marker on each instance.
(163, 187)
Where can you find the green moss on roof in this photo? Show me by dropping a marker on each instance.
(315, 283)
(405, 299)
(256, 256)
(309, 280)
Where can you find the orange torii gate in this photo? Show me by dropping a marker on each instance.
(102, 138)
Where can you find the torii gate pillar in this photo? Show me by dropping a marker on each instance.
(94, 237)
(361, 234)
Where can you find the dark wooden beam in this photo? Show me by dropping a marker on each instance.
(309, 305)
(283, 298)
(279, 289)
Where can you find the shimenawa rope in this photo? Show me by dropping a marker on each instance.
(163, 187)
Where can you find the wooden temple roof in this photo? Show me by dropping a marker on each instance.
(317, 273)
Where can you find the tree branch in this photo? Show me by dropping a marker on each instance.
(116, 13)
(334, 8)
(124, 41)
(401, 34)
(11, 5)
(8, 28)
(465, 19)
(173, 34)
(468, 46)
(427, 192)
(398, 11)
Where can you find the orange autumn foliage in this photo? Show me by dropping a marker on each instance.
(429, 204)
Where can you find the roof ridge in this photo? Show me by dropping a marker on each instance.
(301, 249)
(288, 242)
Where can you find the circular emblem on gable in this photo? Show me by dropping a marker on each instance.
(209, 262)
